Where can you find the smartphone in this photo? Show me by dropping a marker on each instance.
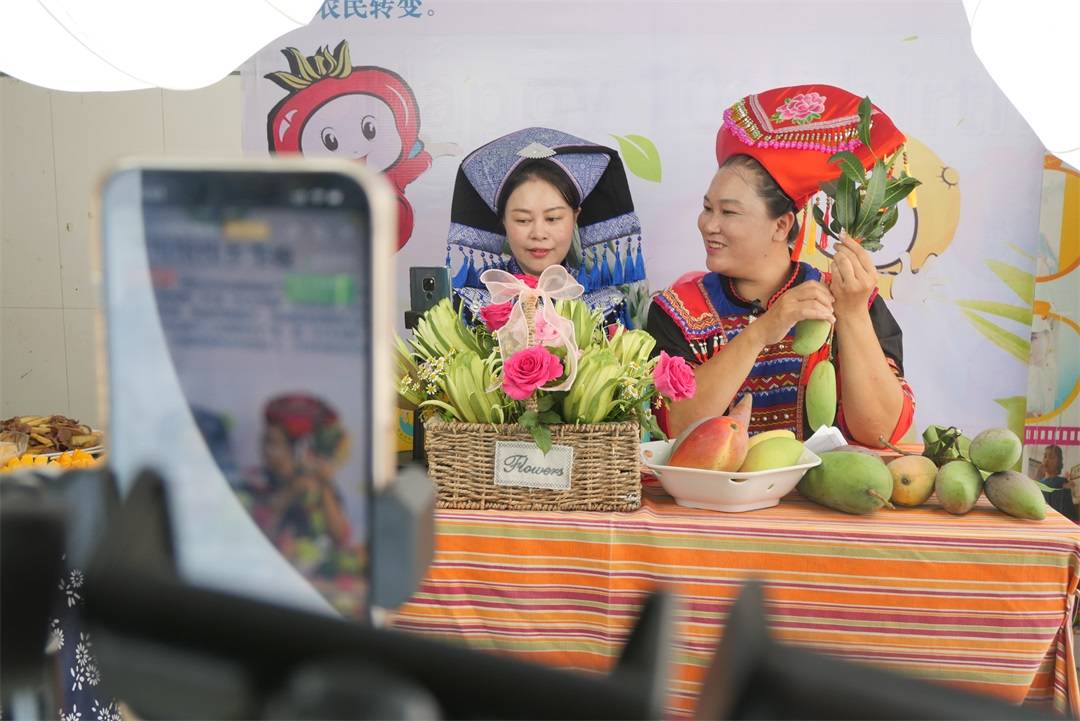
(247, 326)
(427, 286)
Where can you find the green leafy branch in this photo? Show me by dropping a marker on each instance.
(864, 203)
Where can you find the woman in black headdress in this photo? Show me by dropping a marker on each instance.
(541, 197)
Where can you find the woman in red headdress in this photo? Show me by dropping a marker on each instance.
(294, 497)
(736, 323)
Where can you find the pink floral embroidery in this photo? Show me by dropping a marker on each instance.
(801, 109)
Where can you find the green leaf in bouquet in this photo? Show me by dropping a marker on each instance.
(866, 109)
(593, 389)
(441, 330)
(407, 372)
(889, 219)
(870, 211)
(550, 418)
(545, 403)
(529, 419)
(834, 226)
(542, 437)
(898, 189)
(467, 380)
(897, 154)
(584, 320)
(483, 408)
(847, 201)
(434, 403)
(631, 346)
(872, 240)
(850, 166)
(604, 400)
(871, 245)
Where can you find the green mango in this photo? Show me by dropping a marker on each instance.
(958, 485)
(855, 449)
(821, 395)
(810, 335)
(1016, 494)
(996, 449)
(849, 482)
(772, 453)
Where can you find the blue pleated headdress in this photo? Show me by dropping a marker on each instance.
(612, 269)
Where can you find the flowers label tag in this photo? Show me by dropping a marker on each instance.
(519, 463)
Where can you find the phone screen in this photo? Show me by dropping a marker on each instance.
(240, 327)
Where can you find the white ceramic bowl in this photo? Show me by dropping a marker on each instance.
(728, 491)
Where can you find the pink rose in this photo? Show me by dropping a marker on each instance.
(496, 315)
(529, 280)
(529, 369)
(674, 378)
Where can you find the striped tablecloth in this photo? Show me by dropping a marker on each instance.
(981, 601)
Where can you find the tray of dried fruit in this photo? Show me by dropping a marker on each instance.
(54, 439)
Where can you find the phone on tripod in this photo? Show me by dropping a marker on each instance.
(247, 311)
(427, 286)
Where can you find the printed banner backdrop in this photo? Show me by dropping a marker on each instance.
(1052, 432)
(426, 81)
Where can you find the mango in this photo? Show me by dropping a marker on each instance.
(849, 482)
(810, 335)
(857, 449)
(776, 452)
(821, 395)
(742, 410)
(715, 444)
(1016, 494)
(958, 485)
(760, 437)
(913, 479)
(996, 449)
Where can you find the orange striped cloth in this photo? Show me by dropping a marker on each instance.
(981, 601)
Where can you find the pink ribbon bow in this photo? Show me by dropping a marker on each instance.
(554, 284)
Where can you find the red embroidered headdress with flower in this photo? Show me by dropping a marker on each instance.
(793, 131)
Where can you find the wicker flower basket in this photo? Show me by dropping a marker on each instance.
(605, 475)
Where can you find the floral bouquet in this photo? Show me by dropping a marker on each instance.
(540, 358)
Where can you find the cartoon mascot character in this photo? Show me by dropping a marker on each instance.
(367, 114)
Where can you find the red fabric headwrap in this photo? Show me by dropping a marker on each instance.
(792, 131)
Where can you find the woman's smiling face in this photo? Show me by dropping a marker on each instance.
(735, 224)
